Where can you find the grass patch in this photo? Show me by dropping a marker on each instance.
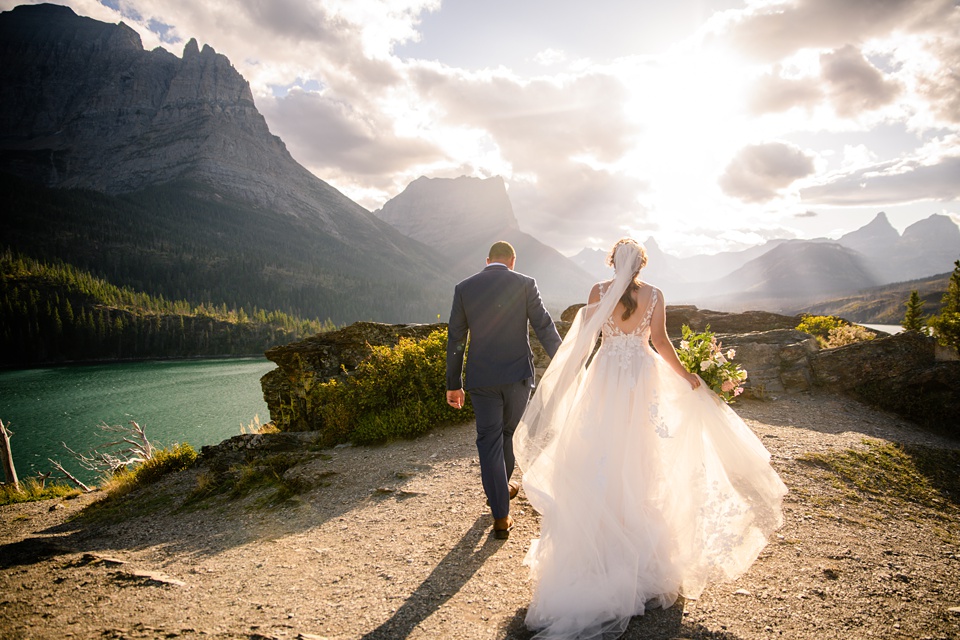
(893, 472)
(264, 476)
(31, 491)
(162, 462)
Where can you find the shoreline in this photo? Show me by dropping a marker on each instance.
(81, 363)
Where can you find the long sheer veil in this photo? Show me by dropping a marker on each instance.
(556, 394)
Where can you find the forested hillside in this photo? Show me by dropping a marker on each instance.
(183, 241)
(885, 304)
(56, 313)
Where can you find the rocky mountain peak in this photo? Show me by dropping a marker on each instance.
(935, 228)
(876, 237)
(430, 207)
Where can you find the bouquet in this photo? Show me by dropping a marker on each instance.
(700, 353)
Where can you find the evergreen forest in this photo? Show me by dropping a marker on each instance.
(58, 313)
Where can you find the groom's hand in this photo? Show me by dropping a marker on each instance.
(455, 398)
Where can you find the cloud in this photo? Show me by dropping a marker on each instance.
(890, 183)
(559, 136)
(941, 86)
(773, 31)
(538, 121)
(569, 204)
(759, 171)
(853, 84)
(773, 93)
(806, 214)
(326, 133)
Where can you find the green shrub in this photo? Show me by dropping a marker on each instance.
(820, 326)
(397, 392)
(162, 462)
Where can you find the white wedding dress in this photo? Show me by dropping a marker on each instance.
(647, 489)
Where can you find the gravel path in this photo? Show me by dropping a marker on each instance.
(395, 542)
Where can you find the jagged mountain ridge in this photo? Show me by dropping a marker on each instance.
(82, 105)
(460, 218)
(926, 247)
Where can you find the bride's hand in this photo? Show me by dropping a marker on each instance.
(693, 379)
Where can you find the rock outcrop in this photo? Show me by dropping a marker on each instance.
(301, 365)
(898, 373)
(82, 104)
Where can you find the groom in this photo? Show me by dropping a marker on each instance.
(495, 305)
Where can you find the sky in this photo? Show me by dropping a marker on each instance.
(708, 125)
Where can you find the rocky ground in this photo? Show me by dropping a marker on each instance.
(395, 542)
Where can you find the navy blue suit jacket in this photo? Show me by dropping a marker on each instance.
(495, 305)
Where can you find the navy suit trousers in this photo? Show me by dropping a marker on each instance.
(498, 410)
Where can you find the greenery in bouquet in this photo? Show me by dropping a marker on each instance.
(700, 353)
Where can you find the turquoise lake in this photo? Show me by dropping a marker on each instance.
(194, 401)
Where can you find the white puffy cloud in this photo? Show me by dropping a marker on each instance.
(772, 31)
(758, 172)
(332, 135)
(771, 93)
(853, 84)
(893, 182)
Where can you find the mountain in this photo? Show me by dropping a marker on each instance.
(197, 195)
(460, 218)
(788, 275)
(878, 237)
(883, 304)
(926, 247)
(594, 262)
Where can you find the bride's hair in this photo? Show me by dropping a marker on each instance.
(627, 299)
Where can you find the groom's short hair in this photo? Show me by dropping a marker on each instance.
(502, 251)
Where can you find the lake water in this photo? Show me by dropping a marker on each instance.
(892, 329)
(195, 401)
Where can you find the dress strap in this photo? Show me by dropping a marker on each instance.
(650, 306)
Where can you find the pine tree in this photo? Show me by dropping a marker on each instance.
(913, 320)
(946, 325)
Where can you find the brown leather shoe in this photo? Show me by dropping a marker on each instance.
(502, 527)
(514, 486)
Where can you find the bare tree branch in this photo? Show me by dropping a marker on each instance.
(9, 470)
(70, 476)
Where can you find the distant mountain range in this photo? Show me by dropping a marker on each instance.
(158, 173)
(788, 276)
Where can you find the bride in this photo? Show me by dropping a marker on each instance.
(648, 484)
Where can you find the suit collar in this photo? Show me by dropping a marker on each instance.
(496, 265)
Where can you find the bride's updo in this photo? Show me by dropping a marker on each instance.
(627, 299)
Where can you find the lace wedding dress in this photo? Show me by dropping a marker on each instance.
(647, 489)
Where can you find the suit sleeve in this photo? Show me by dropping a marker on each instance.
(541, 321)
(456, 343)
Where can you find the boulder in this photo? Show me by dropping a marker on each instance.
(776, 361)
(302, 364)
(900, 373)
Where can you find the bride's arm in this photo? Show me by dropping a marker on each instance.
(661, 342)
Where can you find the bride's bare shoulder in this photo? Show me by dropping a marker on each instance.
(598, 290)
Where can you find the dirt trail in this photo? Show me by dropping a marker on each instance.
(395, 542)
